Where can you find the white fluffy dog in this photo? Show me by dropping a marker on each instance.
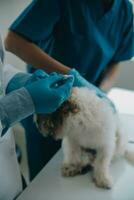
(93, 124)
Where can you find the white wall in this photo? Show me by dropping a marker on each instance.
(126, 75)
(125, 78)
(9, 9)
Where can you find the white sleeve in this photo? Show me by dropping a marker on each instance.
(8, 73)
(10, 177)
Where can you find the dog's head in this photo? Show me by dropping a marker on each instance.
(51, 124)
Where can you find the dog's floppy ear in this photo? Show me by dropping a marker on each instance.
(49, 124)
(69, 106)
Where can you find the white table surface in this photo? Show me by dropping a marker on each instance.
(50, 185)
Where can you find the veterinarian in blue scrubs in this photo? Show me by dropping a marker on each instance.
(81, 37)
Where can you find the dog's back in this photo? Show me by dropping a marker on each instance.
(95, 123)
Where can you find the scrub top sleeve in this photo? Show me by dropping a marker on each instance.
(125, 51)
(38, 20)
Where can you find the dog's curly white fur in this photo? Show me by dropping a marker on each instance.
(97, 127)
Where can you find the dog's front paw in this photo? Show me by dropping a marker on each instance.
(68, 170)
(103, 181)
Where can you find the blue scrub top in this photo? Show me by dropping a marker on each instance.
(81, 34)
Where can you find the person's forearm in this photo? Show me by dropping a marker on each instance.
(15, 106)
(109, 77)
(32, 54)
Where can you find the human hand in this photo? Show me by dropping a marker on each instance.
(47, 94)
(23, 79)
(80, 81)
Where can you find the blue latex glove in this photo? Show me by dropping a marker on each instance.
(49, 93)
(79, 81)
(22, 79)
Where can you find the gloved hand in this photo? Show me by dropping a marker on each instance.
(49, 93)
(79, 81)
(42, 96)
(22, 79)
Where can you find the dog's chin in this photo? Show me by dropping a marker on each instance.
(55, 136)
(47, 132)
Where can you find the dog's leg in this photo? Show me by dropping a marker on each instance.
(72, 164)
(87, 158)
(102, 175)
